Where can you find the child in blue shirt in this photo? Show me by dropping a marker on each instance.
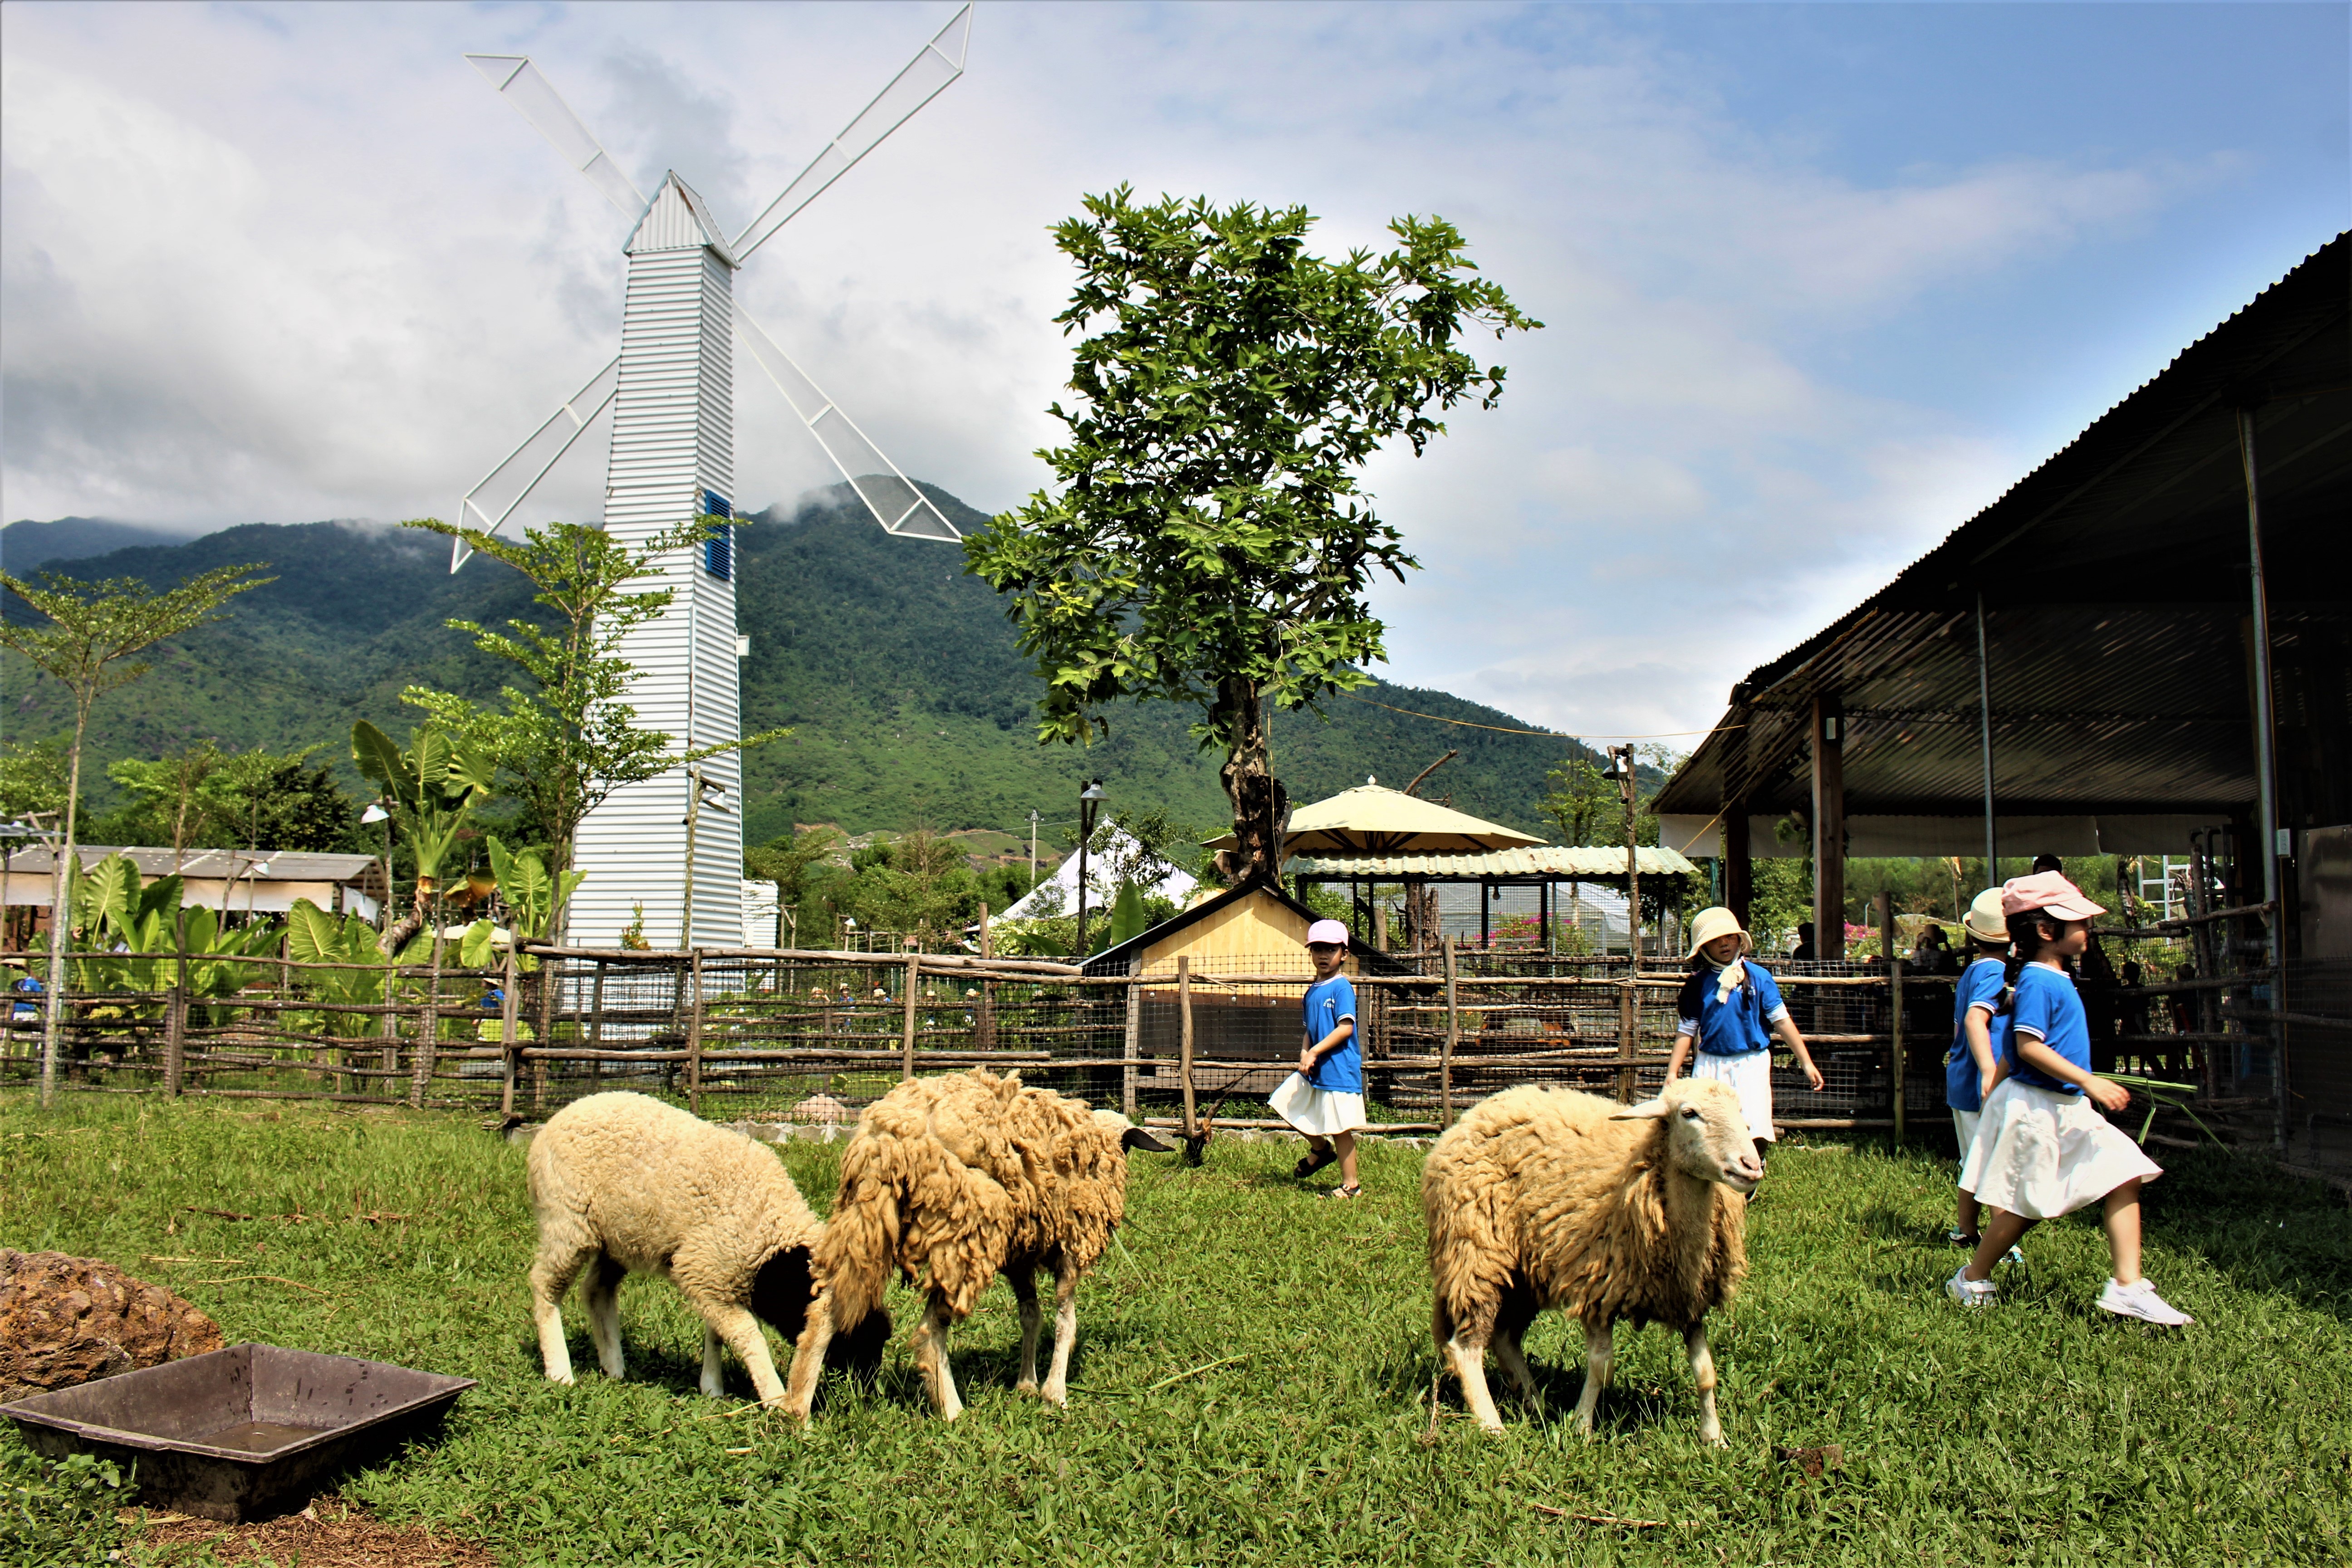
(2042, 1149)
(1979, 1032)
(1730, 1008)
(1325, 1098)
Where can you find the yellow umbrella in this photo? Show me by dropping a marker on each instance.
(1373, 820)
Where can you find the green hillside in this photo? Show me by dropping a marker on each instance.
(897, 672)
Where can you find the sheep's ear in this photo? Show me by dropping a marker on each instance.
(1648, 1110)
(1149, 1141)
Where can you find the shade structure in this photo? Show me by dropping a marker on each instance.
(1544, 862)
(1372, 820)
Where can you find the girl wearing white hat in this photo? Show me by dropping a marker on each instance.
(1730, 1008)
(1979, 1032)
(1325, 1098)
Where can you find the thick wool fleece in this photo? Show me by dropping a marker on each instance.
(1539, 1190)
(661, 1192)
(953, 1179)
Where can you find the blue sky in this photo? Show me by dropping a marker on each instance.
(1822, 280)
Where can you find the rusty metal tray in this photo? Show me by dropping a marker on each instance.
(243, 1433)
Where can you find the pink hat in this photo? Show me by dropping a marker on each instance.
(2046, 892)
(1326, 932)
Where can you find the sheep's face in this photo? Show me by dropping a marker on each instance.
(1706, 1133)
(1129, 1135)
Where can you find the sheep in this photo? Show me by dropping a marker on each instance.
(623, 1183)
(1540, 1197)
(957, 1179)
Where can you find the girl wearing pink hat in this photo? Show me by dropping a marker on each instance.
(1325, 1098)
(2041, 1149)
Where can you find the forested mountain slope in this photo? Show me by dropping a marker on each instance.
(897, 672)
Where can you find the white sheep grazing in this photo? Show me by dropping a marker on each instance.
(957, 1179)
(623, 1183)
(1542, 1197)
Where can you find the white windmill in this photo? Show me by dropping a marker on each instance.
(669, 399)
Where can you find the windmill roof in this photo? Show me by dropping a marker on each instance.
(1371, 819)
(676, 219)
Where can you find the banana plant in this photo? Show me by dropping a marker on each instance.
(433, 786)
(113, 907)
(533, 899)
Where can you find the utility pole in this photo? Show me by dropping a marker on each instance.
(1621, 760)
(1032, 849)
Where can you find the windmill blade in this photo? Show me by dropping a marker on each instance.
(926, 76)
(520, 83)
(889, 495)
(506, 487)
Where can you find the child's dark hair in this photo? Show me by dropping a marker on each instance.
(2025, 946)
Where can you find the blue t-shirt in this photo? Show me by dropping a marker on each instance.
(1737, 1028)
(1329, 1001)
(1978, 986)
(2048, 1005)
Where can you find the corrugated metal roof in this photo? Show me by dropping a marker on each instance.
(2115, 580)
(245, 865)
(1586, 862)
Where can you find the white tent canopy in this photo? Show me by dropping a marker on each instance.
(1058, 894)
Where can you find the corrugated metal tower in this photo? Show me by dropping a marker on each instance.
(668, 400)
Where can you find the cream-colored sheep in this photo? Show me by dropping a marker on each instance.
(623, 1183)
(952, 1181)
(1542, 1197)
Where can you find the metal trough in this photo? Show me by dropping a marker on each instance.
(244, 1433)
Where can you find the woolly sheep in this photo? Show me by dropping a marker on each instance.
(623, 1183)
(957, 1179)
(1542, 1197)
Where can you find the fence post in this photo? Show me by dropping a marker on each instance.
(510, 1035)
(1445, 1056)
(176, 1042)
(907, 1040)
(1131, 1046)
(597, 1023)
(694, 1033)
(1887, 956)
(1629, 1036)
(1184, 1037)
(984, 1018)
(428, 1039)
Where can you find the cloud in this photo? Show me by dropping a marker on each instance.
(296, 262)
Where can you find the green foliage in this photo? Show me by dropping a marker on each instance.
(433, 786)
(1210, 545)
(1127, 916)
(33, 777)
(315, 936)
(111, 907)
(206, 797)
(531, 897)
(1253, 1372)
(1582, 804)
(60, 1511)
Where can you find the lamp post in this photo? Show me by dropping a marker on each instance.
(1032, 850)
(379, 811)
(700, 792)
(1621, 768)
(1090, 801)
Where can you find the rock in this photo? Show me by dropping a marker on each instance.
(65, 1321)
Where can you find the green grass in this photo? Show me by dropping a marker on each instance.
(1252, 1374)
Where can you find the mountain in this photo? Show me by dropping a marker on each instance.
(897, 672)
(25, 544)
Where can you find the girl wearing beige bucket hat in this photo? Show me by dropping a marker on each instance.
(1730, 1009)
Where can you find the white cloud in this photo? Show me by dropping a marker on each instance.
(294, 263)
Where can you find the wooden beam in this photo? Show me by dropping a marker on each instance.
(1828, 828)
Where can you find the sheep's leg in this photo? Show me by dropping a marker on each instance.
(1702, 1366)
(808, 1356)
(1517, 1311)
(1025, 1290)
(551, 1273)
(930, 1339)
(1466, 1352)
(602, 1295)
(1599, 1349)
(1066, 1332)
(737, 1326)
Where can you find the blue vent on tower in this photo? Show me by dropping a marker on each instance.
(719, 550)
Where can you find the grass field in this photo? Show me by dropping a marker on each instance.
(1253, 1375)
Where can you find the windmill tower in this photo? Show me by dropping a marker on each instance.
(672, 846)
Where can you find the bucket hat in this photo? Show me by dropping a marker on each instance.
(1984, 920)
(1709, 925)
(2047, 892)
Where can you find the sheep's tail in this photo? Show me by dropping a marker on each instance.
(860, 1244)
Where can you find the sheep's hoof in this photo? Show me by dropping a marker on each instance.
(1026, 1386)
(1059, 1398)
(562, 1377)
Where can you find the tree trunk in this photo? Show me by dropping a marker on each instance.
(61, 914)
(1261, 807)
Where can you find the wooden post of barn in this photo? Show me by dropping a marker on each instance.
(694, 1032)
(1453, 1035)
(1131, 1046)
(906, 1036)
(1185, 1037)
(984, 1017)
(510, 1035)
(1886, 940)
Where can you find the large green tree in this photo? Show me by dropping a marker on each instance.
(569, 738)
(1208, 543)
(90, 645)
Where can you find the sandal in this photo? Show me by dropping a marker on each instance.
(1352, 1190)
(1315, 1161)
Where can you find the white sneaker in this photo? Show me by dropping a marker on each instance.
(1970, 1292)
(2139, 1300)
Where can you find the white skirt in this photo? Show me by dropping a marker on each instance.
(1963, 1130)
(1317, 1112)
(2041, 1153)
(1750, 1076)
